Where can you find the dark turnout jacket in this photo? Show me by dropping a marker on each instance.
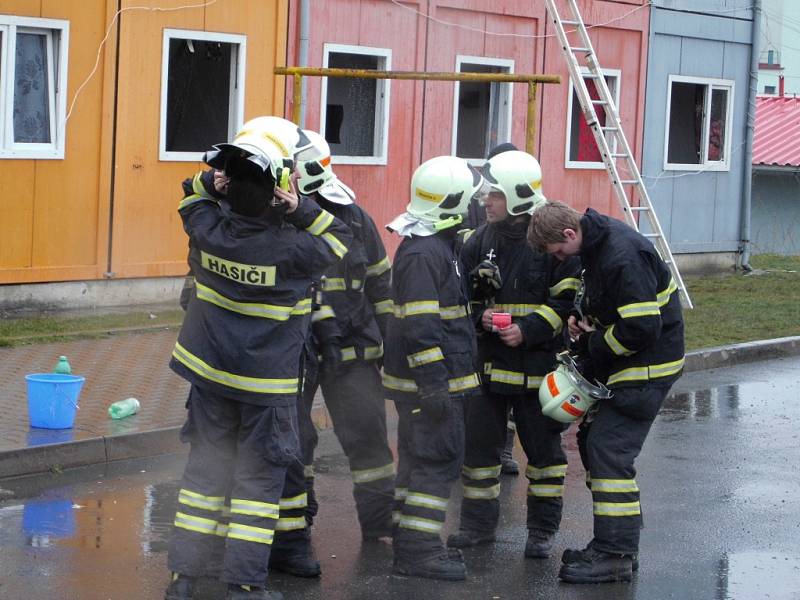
(244, 330)
(634, 301)
(537, 289)
(430, 343)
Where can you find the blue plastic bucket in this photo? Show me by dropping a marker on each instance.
(53, 399)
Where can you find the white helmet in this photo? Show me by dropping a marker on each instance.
(316, 173)
(270, 142)
(519, 177)
(441, 189)
(565, 395)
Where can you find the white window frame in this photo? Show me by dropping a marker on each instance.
(504, 127)
(704, 164)
(57, 61)
(582, 164)
(236, 105)
(381, 133)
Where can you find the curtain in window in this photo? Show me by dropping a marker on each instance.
(31, 105)
(587, 146)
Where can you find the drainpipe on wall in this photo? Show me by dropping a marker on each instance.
(305, 25)
(747, 175)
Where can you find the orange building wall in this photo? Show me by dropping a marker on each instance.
(59, 215)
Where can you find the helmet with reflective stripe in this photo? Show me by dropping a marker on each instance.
(316, 173)
(519, 177)
(566, 395)
(270, 142)
(441, 189)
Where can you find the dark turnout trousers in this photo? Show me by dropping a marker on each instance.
(242, 451)
(540, 436)
(609, 445)
(430, 455)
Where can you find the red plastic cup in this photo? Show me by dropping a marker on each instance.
(500, 320)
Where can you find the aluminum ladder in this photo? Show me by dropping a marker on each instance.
(619, 158)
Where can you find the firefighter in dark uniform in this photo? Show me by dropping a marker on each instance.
(508, 276)
(430, 361)
(348, 328)
(253, 256)
(630, 332)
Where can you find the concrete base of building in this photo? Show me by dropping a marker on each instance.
(707, 263)
(88, 295)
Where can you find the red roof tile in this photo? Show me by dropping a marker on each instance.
(777, 132)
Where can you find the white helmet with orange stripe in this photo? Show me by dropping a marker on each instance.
(566, 395)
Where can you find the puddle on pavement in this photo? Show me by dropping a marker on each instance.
(750, 575)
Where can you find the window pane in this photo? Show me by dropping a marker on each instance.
(480, 110)
(351, 106)
(718, 122)
(198, 94)
(686, 123)
(582, 145)
(31, 101)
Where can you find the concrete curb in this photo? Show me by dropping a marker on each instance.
(142, 444)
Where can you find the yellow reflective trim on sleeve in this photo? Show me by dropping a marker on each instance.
(566, 284)
(534, 382)
(189, 200)
(299, 501)
(452, 312)
(325, 312)
(333, 284)
(379, 268)
(615, 486)
(252, 309)
(291, 524)
(462, 384)
(373, 352)
(338, 248)
(616, 509)
(321, 223)
(540, 490)
(549, 315)
(663, 297)
(481, 493)
(516, 310)
(615, 345)
(639, 309)
(384, 307)
(646, 373)
(423, 357)
(419, 307)
(480, 473)
(239, 382)
(551, 472)
(396, 383)
(376, 474)
(348, 353)
(248, 533)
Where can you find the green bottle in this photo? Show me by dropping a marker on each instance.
(63, 368)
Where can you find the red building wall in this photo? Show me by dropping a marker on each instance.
(421, 114)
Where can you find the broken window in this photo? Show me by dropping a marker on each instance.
(582, 150)
(203, 99)
(483, 110)
(356, 110)
(698, 123)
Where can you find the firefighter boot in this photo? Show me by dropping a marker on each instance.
(250, 592)
(466, 538)
(180, 588)
(508, 465)
(596, 566)
(539, 543)
(573, 554)
(299, 563)
(443, 564)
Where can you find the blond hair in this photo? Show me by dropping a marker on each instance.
(548, 223)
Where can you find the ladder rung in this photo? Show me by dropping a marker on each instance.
(620, 155)
(629, 181)
(570, 22)
(610, 128)
(579, 49)
(640, 208)
(599, 102)
(651, 235)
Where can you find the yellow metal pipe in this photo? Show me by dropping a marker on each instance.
(530, 128)
(297, 97)
(417, 75)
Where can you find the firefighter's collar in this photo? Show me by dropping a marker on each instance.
(406, 225)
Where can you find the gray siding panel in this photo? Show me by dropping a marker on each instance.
(776, 213)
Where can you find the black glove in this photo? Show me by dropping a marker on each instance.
(486, 279)
(580, 347)
(435, 405)
(331, 359)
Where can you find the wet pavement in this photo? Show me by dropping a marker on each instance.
(719, 492)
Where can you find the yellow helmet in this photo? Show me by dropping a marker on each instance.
(519, 177)
(441, 189)
(565, 395)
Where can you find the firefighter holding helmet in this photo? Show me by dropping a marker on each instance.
(429, 366)
(508, 276)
